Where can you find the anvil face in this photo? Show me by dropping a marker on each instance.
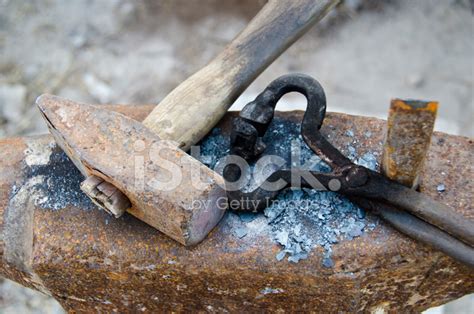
(163, 183)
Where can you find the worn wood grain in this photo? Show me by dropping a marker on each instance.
(196, 105)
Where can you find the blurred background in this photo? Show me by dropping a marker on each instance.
(364, 53)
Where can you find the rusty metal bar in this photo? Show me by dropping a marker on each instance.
(407, 141)
(410, 127)
(53, 240)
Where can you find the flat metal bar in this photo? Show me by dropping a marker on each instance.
(409, 129)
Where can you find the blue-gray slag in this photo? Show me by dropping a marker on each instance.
(60, 184)
(300, 219)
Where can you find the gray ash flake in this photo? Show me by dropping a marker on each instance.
(441, 188)
(241, 232)
(300, 219)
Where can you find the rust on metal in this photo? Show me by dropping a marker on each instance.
(408, 137)
(90, 262)
(127, 155)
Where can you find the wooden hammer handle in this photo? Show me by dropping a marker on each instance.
(190, 111)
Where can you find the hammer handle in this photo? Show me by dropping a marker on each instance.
(190, 111)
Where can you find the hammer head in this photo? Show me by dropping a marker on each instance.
(167, 188)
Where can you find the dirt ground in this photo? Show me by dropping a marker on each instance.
(123, 51)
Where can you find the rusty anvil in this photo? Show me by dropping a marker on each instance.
(90, 262)
(129, 165)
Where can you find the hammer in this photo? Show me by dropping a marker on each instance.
(132, 167)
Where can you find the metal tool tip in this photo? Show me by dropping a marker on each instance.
(59, 113)
(47, 101)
